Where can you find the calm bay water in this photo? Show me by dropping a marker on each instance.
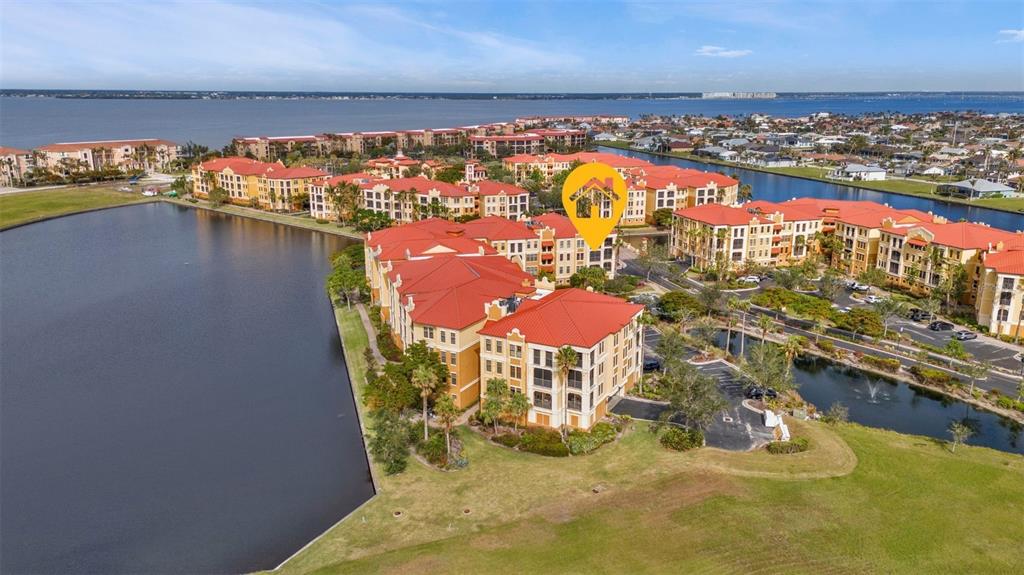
(28, 122)
(174, 396)
(777, 188)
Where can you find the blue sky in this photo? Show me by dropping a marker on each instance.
(502, 46)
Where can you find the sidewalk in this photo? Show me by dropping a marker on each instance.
(370, 334)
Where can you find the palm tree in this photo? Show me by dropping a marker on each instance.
(518, 406)
(565, 360)
(887, 309)
(425, 380)
(745, 193)
(975, 371)
(960, 432)
(765, 324)
(447, 414)
(793, 345)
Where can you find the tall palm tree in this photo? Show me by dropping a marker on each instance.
(425, 380)
(793, 345)
(447, 414)
(565, 360)
(765, 324)
(742, 306)
(745, 193)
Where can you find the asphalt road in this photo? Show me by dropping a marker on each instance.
(735, 429)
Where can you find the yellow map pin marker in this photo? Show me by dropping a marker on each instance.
(594, 196)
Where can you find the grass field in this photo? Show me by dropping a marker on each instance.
(24, 207)
(860, 500)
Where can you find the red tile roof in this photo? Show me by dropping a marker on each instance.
(420, 185)
(566, 317)
(451, 291)
(432, 236)
(561, 224)
(1006, 262)
(492, 188)
(960, 235)
(75, 146)
(720, 215)
(5, 151)
(250, 167)
(496, 228)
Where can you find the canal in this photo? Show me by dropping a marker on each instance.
(779, 188)
(175, 398)
(876, 401)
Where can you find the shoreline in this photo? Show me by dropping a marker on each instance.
(338, 311)
(76, 212)
(858, 185)
(273, 218)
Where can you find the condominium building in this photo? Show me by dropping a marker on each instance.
(321, 200)
(14, 165)
(251, 182)
(408, 199)
(145, 154)
(999, 303)
(523, 166)
(672, 187)
(442, 300)
(532, 142)
(521, 339)
(397, 167)
(919, 256)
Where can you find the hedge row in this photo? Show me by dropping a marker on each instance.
(681, 439)
(798, 445)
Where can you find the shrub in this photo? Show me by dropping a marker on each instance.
(506, 439)
(837, 413)
(932, 376)
(543, 442)
(890, 364)
(796, 304)
(681, 439)
(826, 346)
(860, 320)
(322, 221)
(798, 445)
(433, 449)
(581, 442)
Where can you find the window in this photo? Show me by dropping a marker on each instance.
(542, 400)
(453, 356)
(1003, 315)
(452, 336)
(452, 379)
(487, 344)
(575, 379)
(499, 367)
(487, 366)
(499, 346)
(515, 372)
(442, 336)
(1007, 283)
(542, 377)
(428, 332)
(575, 402)
(516, 351)
(444, 355)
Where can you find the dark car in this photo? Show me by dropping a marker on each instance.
(756, 392)
(920, 315)
(940, 326)
(964, 335)
(652, 364)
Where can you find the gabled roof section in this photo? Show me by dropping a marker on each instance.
(566, 317)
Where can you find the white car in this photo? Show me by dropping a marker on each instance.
(750, 279)
(844, 310)
(860, 287)
(872, 299)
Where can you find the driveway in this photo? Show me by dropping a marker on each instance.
(734, 429)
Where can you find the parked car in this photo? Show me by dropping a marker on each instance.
(652, 364)
(964, 335)
(751, 279)
(940, 326)
(644, 299)
(844, 309)
(872, 299)
(860, 287)
(920, 315)
(756, 392)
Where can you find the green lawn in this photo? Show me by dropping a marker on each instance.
(23, 207)
(860, 500)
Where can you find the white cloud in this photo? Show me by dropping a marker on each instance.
(720, 52)
(1011, 35)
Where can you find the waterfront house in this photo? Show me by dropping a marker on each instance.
(858, 172)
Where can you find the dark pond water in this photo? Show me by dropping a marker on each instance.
(877, 401)
(174, 396)
(778, 188)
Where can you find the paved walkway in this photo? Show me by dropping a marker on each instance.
(370, 334)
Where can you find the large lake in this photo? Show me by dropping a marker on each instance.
(174, 395)
(29, 122)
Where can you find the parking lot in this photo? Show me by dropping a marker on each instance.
(735, 429)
